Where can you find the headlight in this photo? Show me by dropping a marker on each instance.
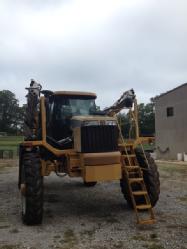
(110, 122)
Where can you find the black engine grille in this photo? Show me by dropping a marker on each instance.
(103, 138)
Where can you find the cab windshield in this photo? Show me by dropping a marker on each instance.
(82, 106)
(74, 106)
(61, 109)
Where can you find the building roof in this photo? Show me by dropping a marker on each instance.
(174, 89)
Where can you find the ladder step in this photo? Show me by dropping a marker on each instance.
(150, 221)
(139, 192)
(129, 144)
(142, 207)
(132, 172)
(126, 156)
(132, 180)
(126, 145)
(132, 167)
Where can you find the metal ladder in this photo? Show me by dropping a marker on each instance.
(134, 175)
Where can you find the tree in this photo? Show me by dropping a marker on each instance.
(124, 122)
(146, 120)
(11, 115)
(20, 119)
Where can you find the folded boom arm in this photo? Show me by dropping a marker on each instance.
(125, 101)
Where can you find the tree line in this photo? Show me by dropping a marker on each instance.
(146, 121)
(12, 116)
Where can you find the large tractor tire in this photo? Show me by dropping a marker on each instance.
(32, 198)
(151, 179)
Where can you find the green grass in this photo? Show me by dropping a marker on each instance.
(69, 239)
(148, 147)
(10, 143)
(172, 168)
(11, 139)
(154, 246)
(10, 247)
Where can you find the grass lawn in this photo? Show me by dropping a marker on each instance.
(10, 143)
(173, 168)
(148, 147)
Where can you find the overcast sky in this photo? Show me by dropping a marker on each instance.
(103, 46)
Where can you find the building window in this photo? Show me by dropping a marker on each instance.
(170, 111)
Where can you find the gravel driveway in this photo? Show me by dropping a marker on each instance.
(77, 217)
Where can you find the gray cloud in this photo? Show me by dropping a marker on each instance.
(101, 46)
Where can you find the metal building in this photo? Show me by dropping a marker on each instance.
(171, 123)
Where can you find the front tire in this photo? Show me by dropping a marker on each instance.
(32, 199)
(151, 179)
